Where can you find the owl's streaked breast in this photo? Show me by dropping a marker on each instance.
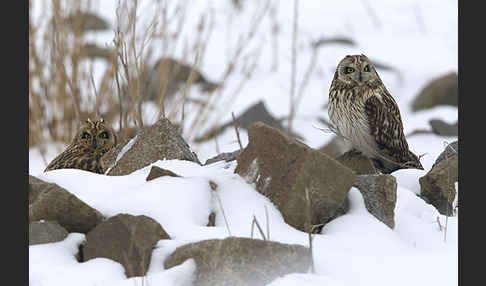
(347, 113)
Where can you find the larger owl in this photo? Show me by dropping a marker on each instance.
(92, 140)
(364, 112)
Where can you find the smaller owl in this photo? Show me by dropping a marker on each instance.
(92, 140)
(365, 113)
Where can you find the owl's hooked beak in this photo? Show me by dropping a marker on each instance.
(360, 77)
(94, 144)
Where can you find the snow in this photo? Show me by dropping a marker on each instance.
(418, 39)
(354, 248)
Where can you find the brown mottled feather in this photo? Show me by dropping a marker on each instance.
(77, 157)
(387, 128)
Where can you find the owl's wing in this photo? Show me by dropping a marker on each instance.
(385, 123)
(66, 160)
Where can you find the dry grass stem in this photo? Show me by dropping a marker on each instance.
(235, 124)
(293, 71)
(255, 222)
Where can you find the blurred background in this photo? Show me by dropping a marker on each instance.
(207, 64)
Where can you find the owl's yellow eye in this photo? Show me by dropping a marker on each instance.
(349, 70)
(367, 68)
(104, 135)
(85, 135)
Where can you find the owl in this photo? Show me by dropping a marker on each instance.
(364, 113)
(92, 140)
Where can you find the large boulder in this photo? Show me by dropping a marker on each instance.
(440, 91)
(437, 187)
(46, 232)
(161, 141)
(126, 239)
(284, 170)
(241, 261)
(380, 196)
(48, 201)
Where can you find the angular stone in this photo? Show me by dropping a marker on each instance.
(35, 188)
(212, 219)
(380, 196)
(440, 91)
(336, 147)
(126, 239)
(86, 21)
(450, 151)
(156, 172)
(442, 128)
(46, 232)
(161, 141)
(255, 113)
(284, 169)
(169, 76)
(241, 261)
(53, 203)
(437, 186)
(227, 157)
(357, 162)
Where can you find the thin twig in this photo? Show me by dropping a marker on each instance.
(372, 14)
(235, 124)
(222, 211)
(255, 222)
(293, 73)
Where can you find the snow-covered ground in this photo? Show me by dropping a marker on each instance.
(417, 38)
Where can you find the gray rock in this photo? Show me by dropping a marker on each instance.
(52, 203)
(283, 169)
(161, 141)
(440, 91)
(212, 219)
(168, 76)
(126, 239)
(93, 51)
(156, 172)
(86, 21)
(451, 151)
(35, 188)
(437, 186)
(357, 162)
(227, 157)
(241, 261)
(442, 128)
(336, 147)
(46, 232)
(380, 196)
(255, 113)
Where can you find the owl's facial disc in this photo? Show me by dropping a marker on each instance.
(356, 70)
